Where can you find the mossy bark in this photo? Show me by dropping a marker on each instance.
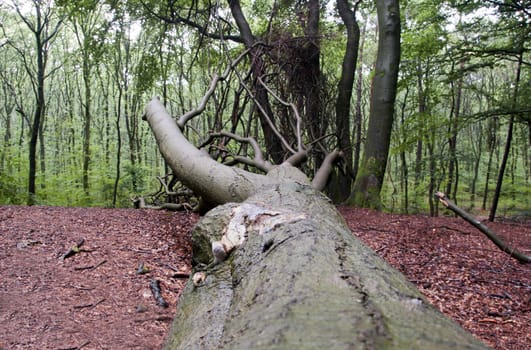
(368, 184)
(301, 280)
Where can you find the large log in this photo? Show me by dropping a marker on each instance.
(300, 280)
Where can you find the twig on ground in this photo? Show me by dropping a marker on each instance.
(154, 285)
(77, 347)
(91, 305)
(142, 269)
(74, 250)
(90, 267)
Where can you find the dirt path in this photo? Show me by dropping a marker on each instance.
(97, 300)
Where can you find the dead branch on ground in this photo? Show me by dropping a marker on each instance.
(500, 243)
(154, 285)
(74, 250)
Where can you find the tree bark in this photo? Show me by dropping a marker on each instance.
(274, 148)
(369, 180)
(339, 189)
(507, 148)
(283, 269)
(301, 280)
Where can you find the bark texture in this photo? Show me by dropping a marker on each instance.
(300, 280)
(368, 184)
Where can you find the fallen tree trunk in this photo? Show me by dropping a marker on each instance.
(301, 280)
(283, 270)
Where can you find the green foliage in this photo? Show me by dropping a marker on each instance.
(147, 72)
(12, 191)
(132, 55)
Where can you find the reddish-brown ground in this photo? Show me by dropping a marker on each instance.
(96, 300)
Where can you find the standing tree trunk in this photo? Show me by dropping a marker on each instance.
(369, 180)
(295, 277)
(37, 116)
(87, 120)
(274, 147)
(492, 141)
(340, 188)
(312, 72)
(507, 149)
(404, 172)
(358, 116)
(453, 179)
(43, 32)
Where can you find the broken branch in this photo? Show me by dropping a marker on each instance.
(154, 285)
(484, 229)
(74, 250)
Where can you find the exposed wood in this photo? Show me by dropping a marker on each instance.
(300, 280)
(500, 243)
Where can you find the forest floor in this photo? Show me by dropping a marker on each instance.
(95, 299)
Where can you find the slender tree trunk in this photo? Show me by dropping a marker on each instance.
(42, 157)
(313, 96)
(527, 154)
(7, 143)
(501, 172)
(432, 186)
(477, 162)
(37, 119)
(404, 181)
(419, 153)
(491, 143)
(451, 185)
(358, 117)
(87, 121)
(121, 84)
(118, 149)
(368, 184)
(273, 146)
(507, 149)
(340, 189)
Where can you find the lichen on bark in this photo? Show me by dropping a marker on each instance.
(303, 281)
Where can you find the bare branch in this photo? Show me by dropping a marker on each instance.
(140, 203)
(201, 107)
(168, 191)
(202, 29)
(321, 177)
(258, 161)
(300, 146)
(484, 229)
(297, 158)
(265, 114)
